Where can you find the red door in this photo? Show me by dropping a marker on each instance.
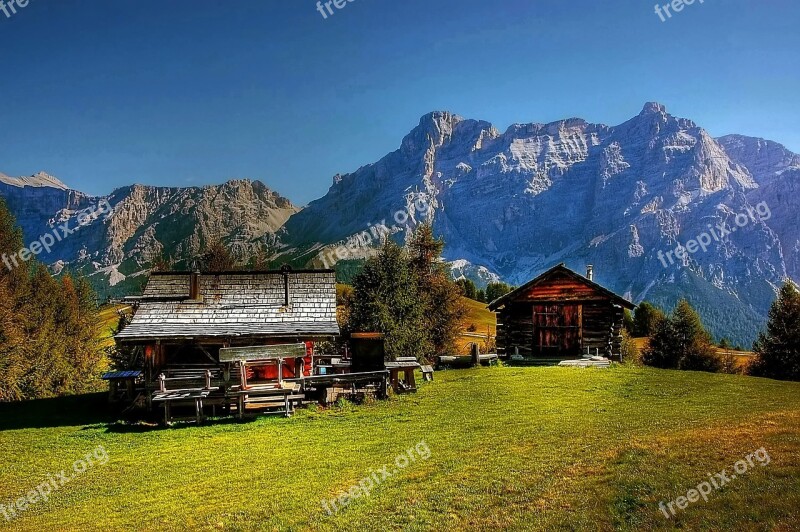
(557, 330)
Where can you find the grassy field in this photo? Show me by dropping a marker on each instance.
(109, 320)
(519, 448)
(481, 321)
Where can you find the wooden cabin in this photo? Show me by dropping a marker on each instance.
(185, 318)
(558, 315)
(235, 339)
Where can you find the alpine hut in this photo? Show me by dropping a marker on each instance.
(558, 315)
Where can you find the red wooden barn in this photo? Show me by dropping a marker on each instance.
(560, 314)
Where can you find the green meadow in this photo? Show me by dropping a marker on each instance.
(510, 448)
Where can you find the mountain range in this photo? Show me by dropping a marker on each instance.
(509, 205)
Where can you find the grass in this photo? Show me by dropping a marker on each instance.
(520, 448)
(108, 318)
(479, 316)
(481, 321)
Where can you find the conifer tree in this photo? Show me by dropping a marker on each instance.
(778, 346)
(48, 327)
(645, 319)
(681, 342)
(385, 299)
(496, 291)
(443, 308)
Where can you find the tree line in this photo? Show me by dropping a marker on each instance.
(48, 327)
(494, 290)
(679, 340)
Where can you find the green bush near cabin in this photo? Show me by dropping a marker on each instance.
(520, 448)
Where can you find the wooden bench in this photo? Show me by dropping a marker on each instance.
(427, 373)
(278, 399)
(406, 365)
(190, 386)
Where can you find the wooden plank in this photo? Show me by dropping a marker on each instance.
(264, 352)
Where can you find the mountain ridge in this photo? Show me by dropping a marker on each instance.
(509, 205)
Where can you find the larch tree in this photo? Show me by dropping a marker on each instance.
(444, 308)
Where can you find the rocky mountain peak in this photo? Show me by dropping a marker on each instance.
(764, 158)
(37, 180)
(653, 108)
(434, 128)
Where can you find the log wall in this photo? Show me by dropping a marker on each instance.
(601, 327)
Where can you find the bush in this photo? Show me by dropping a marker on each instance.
(630, 353)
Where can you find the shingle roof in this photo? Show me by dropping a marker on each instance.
(561, 268)
(235, 305)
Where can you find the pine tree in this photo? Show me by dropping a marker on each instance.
(696, 351)
(385, 299)
(48, 327)
(660, 351)
(681, 342)
(216, 257)
(468, 287)
(12, 359)
(13, 290)
(627, 323)
(495, 291)
(778, 347)
(645, 319)
(408, 295)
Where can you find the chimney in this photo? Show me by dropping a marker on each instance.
(590, 272)
(286, 270)
(194, 286)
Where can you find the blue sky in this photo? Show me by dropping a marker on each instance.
(187, 92)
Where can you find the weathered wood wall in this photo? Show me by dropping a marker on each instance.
(599, 326)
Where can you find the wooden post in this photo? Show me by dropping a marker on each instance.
(162, 383)
(383, 389)
(476, 355)
(411, 382)
(243, 375)
(208, 379)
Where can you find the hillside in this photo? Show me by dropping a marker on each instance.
(564, 449)
(480, 317)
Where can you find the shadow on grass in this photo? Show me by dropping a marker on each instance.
(138, 427)
(76, 410)
(90, 411)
